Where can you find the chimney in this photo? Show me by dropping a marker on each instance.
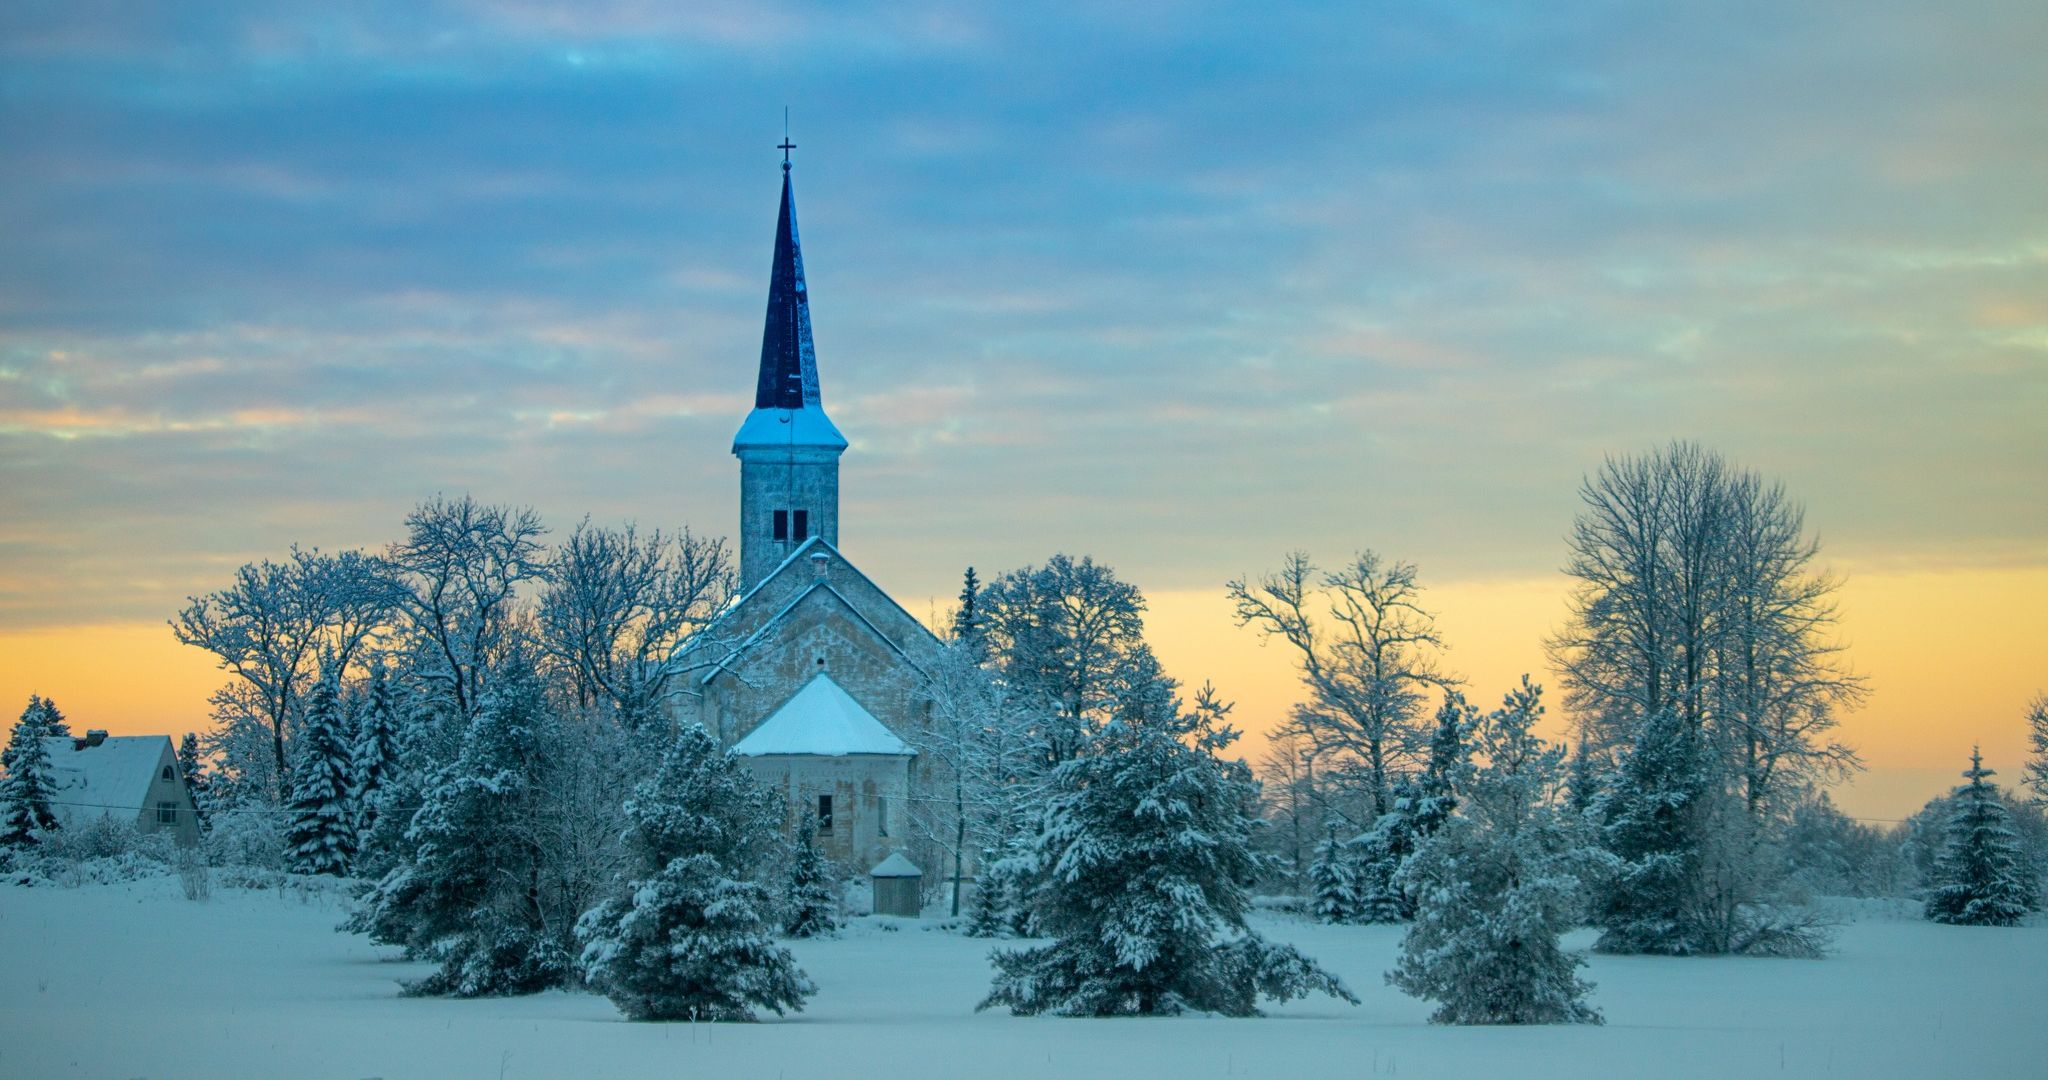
(93, 737)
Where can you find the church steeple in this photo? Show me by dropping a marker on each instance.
(788, 448)
(789, 362)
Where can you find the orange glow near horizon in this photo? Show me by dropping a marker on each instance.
(1949, 666)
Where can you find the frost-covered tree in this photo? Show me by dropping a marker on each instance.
(1068, 639)
(1368, 653)
(476, 892)
(979, 760)
(616, 606)
(1333, 881)
(273, 624)
(813, 890)
(457, 576)
(1980, 877)
(1498, 885)
(43, 718)
(2037, 745)
(1695, 595)
(970, 623)
(25, 792)
(1145, 859)
(687, 934)
(322, 835)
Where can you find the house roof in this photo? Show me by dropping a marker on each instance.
(822, 719)
(108, 780)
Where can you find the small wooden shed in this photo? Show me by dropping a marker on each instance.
(898, 885)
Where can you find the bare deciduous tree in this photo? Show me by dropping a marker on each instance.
(617, 605)
(458, 573)
(1368, 653)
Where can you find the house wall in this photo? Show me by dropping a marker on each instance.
(186, 828)
(868, 801)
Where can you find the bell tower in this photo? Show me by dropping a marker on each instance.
(788, 448)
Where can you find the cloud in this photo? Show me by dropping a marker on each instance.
(1184, 285)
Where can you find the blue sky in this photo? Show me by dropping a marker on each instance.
(1180, 285)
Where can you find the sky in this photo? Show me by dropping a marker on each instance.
(1180, 286)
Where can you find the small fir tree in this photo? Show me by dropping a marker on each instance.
(686, 937)
(970, 625)
(1980, 878)
(990, 915)
(813, 894)
(1498, 885)
(1145, 861)
(322, 836)
(1582, 783)
(25, 812)
(1380, 854)
(2037, 744)
(43, 720)
(193, 768)
(1334, 881)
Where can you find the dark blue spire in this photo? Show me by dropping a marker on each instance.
(789, 363)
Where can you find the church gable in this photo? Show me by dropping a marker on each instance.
(819, 632)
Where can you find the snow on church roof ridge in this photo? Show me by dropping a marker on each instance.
(822, 719)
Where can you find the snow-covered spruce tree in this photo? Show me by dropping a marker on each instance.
(192, 767)
(687, 935)
(373, 754)
(1333, 881)
(25, 793)
(476, 894)
(1498, 885)
(1653, 820)
(1146, 859)
(322, 836)
(1980, 878)
(813, 892)
(990, 914)
(1379, 855)
(1582, 779)
(43, 720)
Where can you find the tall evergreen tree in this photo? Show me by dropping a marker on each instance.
(1653, 819)
(813, 895)
(1145, 859)
(1498, 885)
(25, 792)
(687, 934)
(322, 836)
(1980, 878)
(1582, 782)
(43, 719)
(970, 624)
(372, 757)
(2037, 744)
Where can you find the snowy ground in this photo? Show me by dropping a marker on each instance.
(135, 981)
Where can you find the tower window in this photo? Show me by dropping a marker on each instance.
(803, 526)
(825, 814)
(782, 524)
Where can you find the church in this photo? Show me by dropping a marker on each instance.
(814, 674)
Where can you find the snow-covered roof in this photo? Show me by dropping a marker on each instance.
(807, 427)
(108, 780)
(824, 720)
(895, 866)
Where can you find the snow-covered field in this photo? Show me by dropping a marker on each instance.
(135, 981)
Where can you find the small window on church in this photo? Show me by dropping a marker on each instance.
(825, 814)
(802, 530)
(782, 524)
(882, 814)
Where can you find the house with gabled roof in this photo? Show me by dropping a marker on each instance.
(127, 779)
(814, 675)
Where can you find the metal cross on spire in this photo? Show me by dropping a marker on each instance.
(785, 146)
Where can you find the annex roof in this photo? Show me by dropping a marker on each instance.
(824, 720)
